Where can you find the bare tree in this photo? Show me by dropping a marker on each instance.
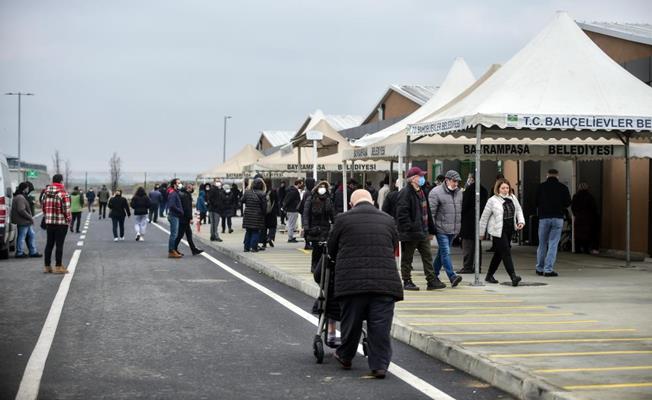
(115, 164)
(56, 162)
(67, 174)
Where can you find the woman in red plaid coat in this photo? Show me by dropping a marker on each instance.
(56, 213)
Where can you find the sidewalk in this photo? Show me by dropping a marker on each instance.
(586, 334)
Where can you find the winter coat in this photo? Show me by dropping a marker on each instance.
(409, 216)
(552, 199)
(140, 204)
(318, 215)
(586, 216)
(56, 205)
(292, 200)
(382, 195)
(254, 216)
(468, 210)
(155, 197)
(215, 199)
(201, 202)
(186, 204)
(119, 207)
(175, 208)
(90, 196)
(492, 216)
(21, 213)
(446, 209)
(76, 202)
(362, 243)
(229, 202)
(271, 218)
(389, 204)
(103, 195)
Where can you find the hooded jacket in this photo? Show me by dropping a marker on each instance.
(175, 208)
(119, 207)
(140, 204)
(56, 205)
(76, 201)
(103, 195)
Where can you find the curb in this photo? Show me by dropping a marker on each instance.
(515, 380)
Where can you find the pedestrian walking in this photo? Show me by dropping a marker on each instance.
(291, 206)
(268, 235)
(90, 200)
(467, 232)
(553, 198)
(185, 222)
(215, 206)
(253, 220)
(318, 216)
(383, 192)
(587, 220)
(175, 214)
(141, 205)
(501, 217)
(202, 207)
(119, 210)
(229, 206)
(367, 286)
(446, 208)
(56, 213)
(280, 195)
(415, 228)
(103, 200)
(163, 205)
(23, 217)
(155, 199)
(76, 207)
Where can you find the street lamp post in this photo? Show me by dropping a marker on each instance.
(224, 144)
(20, 95)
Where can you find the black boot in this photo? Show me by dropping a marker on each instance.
(515, 280)
(490, 279)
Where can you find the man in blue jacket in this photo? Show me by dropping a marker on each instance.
(175, 213)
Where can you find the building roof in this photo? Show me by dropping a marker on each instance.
(277, 138)
(639, 33)
(419, 94)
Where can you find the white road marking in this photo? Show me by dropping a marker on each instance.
(85, 231)
(80, 243)
(407, 377)
(82, 236)
(29, 385)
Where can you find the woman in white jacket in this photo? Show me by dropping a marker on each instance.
(501, 216)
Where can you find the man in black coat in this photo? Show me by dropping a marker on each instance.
(467, 231)
(185, 228)
(553, 198)
(416, 229)
(215, 199)
(362, 243)
(291, 206)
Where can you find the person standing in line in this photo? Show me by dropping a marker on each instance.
(103, 199)
(175, 214)
(268, 235)
(163, 205)
(76, 207)
(154, 204)
(383, 192)
(56, 212)
(305, 193)
(318, 216)
(229, 203)
(389, 204)
(467, 232)
(291, 206)
(21, 215)
(185, 222)
(202, 207)
(367, 285)
(253, 220)
(446, 208)
(238, 196)
(415, 228)
(215, 204)
(280, 195)
(552, 200)
(141, 205)
(119, 211)
(90, 199)
(587, 220)
(501, 217)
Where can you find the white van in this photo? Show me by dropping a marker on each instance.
(8, 230)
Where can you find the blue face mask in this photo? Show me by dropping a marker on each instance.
(422, 181)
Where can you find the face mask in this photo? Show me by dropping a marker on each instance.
(227, 190)
(208, 188)
(118, 194)
(219, 185)
(180, 186)
(321, 190)
(422, 181)
(450, 188)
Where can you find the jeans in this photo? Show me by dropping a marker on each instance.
(215, 225)
(140, 224)
(102, 211)
(76, 216)
(174, 231)
(118, 222)
(251, 239)
(26, 231)
(90, 205)
(56, 236)
(292, 224)
(444, 256)
(161, 209)
(153, 213)
(407, 254)
(549, 235)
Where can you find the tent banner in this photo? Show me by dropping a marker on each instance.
(432, 128)
(578, 122)
(539, 151)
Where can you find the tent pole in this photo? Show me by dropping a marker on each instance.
(476, 256)
(344, 186)
(299, 163)
(407, 155)
(573, 190)
(628, 200)
(314, 160)
(400, 173)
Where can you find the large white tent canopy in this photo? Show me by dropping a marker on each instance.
(234, 166)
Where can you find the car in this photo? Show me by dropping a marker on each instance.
(8, 231)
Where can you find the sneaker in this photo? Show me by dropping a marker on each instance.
(437, 284)
(490, 279)
(515, 280)
(21, 255)
(550, 274)
(218, 240)
(122, 239)
(540, 273)
(36, 255)
(409, 285)
(115, 239)
(456, 281)
(293, 240)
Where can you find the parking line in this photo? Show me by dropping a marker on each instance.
(573, 354)
(535, 332)
(588, 321)
(558, 370)
(544, 341)
(398, 308)
(609, 386)
(485, 315)
(459, 301)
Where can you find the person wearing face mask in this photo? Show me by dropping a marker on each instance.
(415, 228)
(501, 217)
(119, 210)
(446, 208)
(229, 199)
(185, 222)
(175, 213)
(201, 206)
(318, 216)
(21, 215)
(215, 206)
(291, 206)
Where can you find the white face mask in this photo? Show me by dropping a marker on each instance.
(227, 190)
(180, 186)
(321, 190)
(219, 185)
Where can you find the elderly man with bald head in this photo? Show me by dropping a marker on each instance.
(367, 284)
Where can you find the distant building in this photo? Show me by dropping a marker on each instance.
(35, 173)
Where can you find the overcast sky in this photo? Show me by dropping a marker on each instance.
(152, 79)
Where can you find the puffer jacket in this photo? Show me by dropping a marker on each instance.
(446, 209)
(362, 244)
(254, 217)
(140, 204)
(492, 216)
(21, 213)
(318, 214)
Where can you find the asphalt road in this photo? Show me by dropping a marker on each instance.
(136, 324)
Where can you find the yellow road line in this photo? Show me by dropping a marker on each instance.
(459, 301)
(610, 386)
(534, 332)
(554, 371)
(471, 308)
(544, 341)
(434, 315)
(588, 321)
(572, 354)
(304, 251)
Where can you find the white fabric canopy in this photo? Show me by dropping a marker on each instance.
(559, 81)
(234, 166)
(329, 126)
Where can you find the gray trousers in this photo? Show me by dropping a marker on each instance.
(378, 311)
(215, 225)
(468, 253)
(292, 224)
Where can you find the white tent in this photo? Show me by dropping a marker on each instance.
(329, 126)
(233, 167)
